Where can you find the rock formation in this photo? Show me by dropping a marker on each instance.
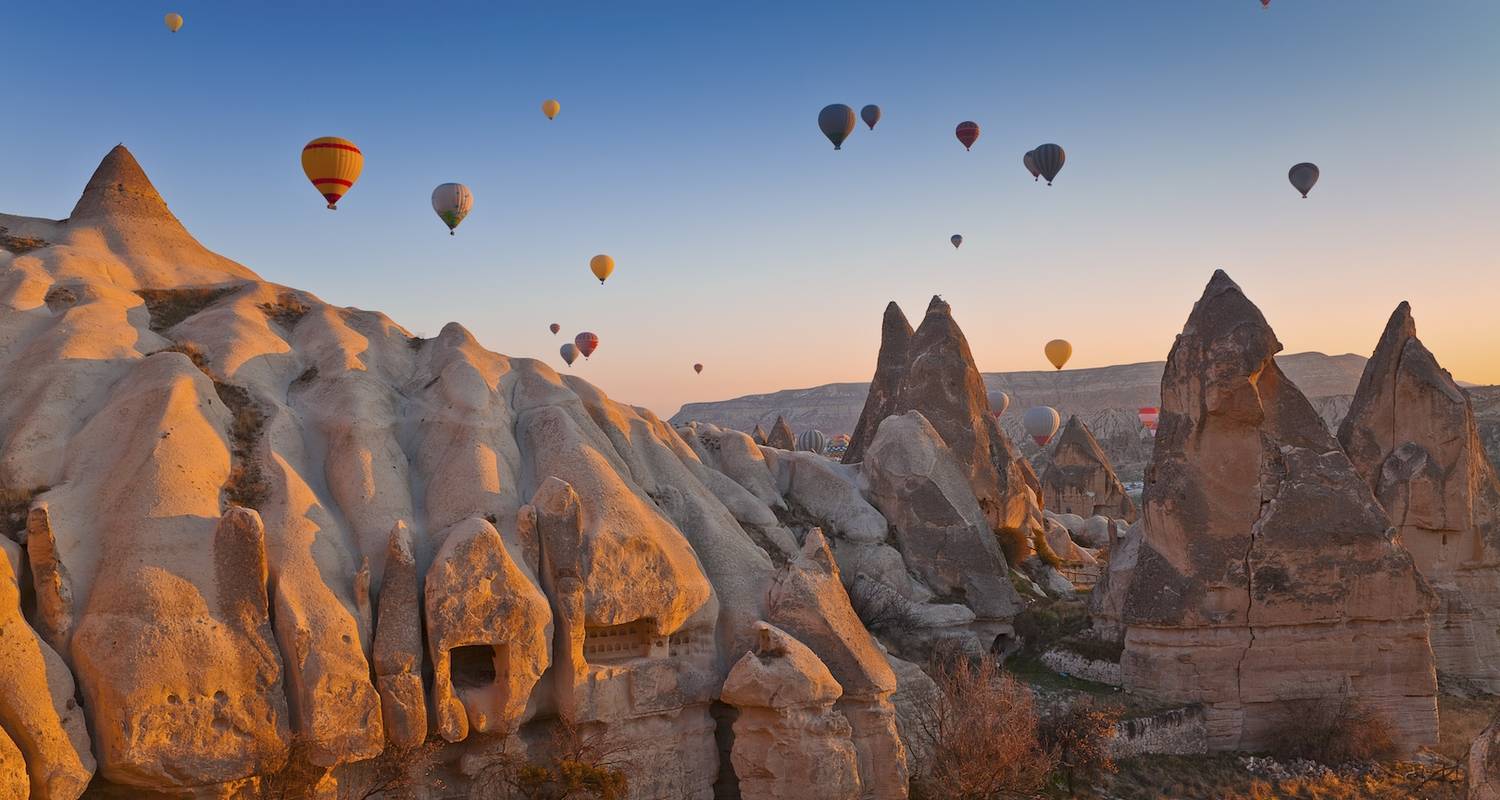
(932, 371)
(787, 737)
(1079, 479)
(781, 436)
(759, 435)
(1484, 765)
(1411, 434)
(1267, 582)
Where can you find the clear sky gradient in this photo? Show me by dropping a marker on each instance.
(687, 147)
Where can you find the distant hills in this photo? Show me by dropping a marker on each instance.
(1107, 398)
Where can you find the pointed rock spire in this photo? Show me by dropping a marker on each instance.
(1266, 579)
(890, 366)
(781, 436)
(1411, 434)
(1080, 480)
(119, 189)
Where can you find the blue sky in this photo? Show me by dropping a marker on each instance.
(687, 147)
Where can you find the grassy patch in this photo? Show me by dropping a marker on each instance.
(167, 307)
(1046, 622)
(1225, 777)
(20, 244)
(247, 484)
(1092, 648)
(287, 310)
(1029, 669)
(1461, 719)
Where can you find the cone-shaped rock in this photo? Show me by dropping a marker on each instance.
(890, 366)
(1080, 480)
(933, 371)
(759, 435)
(1411, 434)
(781, 436)
(120, 190)
(1267, 586)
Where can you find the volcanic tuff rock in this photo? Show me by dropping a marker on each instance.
(932, 371)
(1267, 582)
(1079, 479)
(788, 737)
(567, 555)
(781, 436)
(1412, 436)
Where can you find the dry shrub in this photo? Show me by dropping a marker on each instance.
(1334, 731)
(1079, 737)
(977, 736)
(19, 244)
(194, 355)
(247, 485)
(1015, 544)
(287, 310)
(1044, 550)
(167, 307)
(582, 765)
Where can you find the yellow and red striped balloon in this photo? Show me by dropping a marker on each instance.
(333, 165)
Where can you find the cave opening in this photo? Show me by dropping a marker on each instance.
(472, 666)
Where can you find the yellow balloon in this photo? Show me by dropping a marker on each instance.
(602, 265)
(550, 108)
(1058, 352)
(333, 165)
(174, 22)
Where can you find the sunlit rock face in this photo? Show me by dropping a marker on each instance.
(276, 541)
(1079, 479)
(1411, 434)
(1267, 578)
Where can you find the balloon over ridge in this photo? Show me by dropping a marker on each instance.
(836, 121)
(333, 165)
(1058, 352)
(569, 353)
(587, 343)
(1040, 423)
(999, 401)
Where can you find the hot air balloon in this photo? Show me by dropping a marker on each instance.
(1148, 416)
(554, 327)
(956, 240)
(836, 122)
(1303, 176)
(452, 202)
(333, 165)
(698, 368)
(1049, 160)
(1029, 161)
(1264, 4)
(601, 265)
(174, 22)
(1041, 422)
(967, 133)
(569, 352)
(551, 107)
(812, 442)
(1058, 352)
(587, 343)
(870, 114)
(999, 401)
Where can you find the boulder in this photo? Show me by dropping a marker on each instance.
(1267, 580)
(1080, 480)
(787, 736)
(1411, 434)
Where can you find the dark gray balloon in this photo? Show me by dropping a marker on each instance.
(836, 122)
(1049, 160)
(1303, 176)
(1029, 161)
(870, 114)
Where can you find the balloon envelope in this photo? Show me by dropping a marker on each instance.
(1041, 422)
(836, 122)
(967, 133)
(956, 240)
(812, 442)
(587, 343)
(1149, 416)
(1029, 161)
(551, 107)
(1049, 160)
(452, 202)
(174, 22)
(1058, 352)
(698, 368)
(554, 327)
(1303, 176)
(333, 165)
(870, 114)
(569, 353)
(601, 265)
(999, 401)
